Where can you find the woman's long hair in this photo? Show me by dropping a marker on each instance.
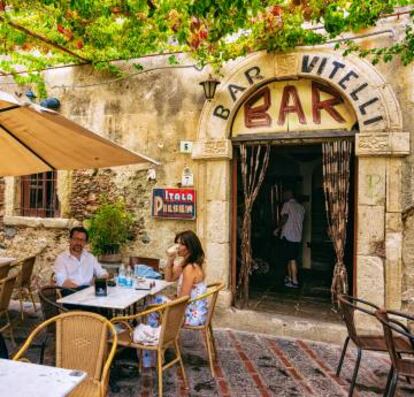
(192, 242)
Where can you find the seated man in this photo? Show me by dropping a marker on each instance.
(77, 267)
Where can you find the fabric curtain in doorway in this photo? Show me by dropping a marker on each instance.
(254, 162)
(336, 175)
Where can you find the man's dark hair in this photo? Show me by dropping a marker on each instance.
(79, 229)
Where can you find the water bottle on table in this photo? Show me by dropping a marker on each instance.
(122, 276)
(129, 282)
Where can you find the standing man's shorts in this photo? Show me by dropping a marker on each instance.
(291, 250)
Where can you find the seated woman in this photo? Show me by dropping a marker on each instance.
(190, 275)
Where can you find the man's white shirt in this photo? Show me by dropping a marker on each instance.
(81, 270)
(292, 229)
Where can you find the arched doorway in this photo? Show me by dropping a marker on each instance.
(294, 117)
(379, 146)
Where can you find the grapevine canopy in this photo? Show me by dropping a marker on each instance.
(36, 34)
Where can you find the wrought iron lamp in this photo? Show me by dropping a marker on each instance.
(209, 87)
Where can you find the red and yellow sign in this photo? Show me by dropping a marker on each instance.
(295, 105)
(174, 203)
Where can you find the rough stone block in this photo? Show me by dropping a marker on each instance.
(218, 181)
(394, 188)
(64, 186)
(217, 267)
(393, 222)
(9, 195)
(392, 109)
(218, 225)
(370, 232)
(393, 251)
(370, 279)
(212, 149)
(382, 144)
(371, 181)
(224, 299)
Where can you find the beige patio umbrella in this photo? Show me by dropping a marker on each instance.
(35, 139)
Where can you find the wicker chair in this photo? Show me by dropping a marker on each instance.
(207, 328)
(349, 305)
(393, 331)
(6, 290)
(4, 269)
(82, 344)
(24, 281)
(48, 297)
(3, 348)
(172, 317)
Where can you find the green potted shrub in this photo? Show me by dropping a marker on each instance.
(109, 228)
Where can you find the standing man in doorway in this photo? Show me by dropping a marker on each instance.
(290, 229)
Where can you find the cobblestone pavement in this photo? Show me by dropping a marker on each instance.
(253, 365)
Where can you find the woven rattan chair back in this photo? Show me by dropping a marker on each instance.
(26, 272)
(172, 320)
(81, 343)
(348, 306)
(6, 290)
(4, 269)
(388, 335)
(394, 324)
(212, 295)
(24, 281)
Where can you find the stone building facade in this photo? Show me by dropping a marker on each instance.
(153, 111)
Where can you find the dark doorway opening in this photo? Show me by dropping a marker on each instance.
(297, 168)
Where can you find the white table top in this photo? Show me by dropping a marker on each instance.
(21, 379)
(118, 297)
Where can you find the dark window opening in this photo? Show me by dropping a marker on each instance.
(39, 196)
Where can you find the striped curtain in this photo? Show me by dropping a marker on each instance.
(336, 173)
(254, 162)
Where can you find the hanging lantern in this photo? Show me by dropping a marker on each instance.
(209, 87)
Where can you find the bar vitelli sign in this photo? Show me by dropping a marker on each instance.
(293, 105)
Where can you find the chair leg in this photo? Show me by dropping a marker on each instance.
(140, 357)
(159, 366)
(210, 329)
(21, 296)
(355, 374)
(42, 349)
(32, 299)
(393, 384)
(11, 329)
(389, 377)
(406, 378)
(210, 352)
(180, 359)
(341, 360)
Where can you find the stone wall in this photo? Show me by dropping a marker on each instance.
(151, 112)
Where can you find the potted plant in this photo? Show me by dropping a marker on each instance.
(109, 228)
